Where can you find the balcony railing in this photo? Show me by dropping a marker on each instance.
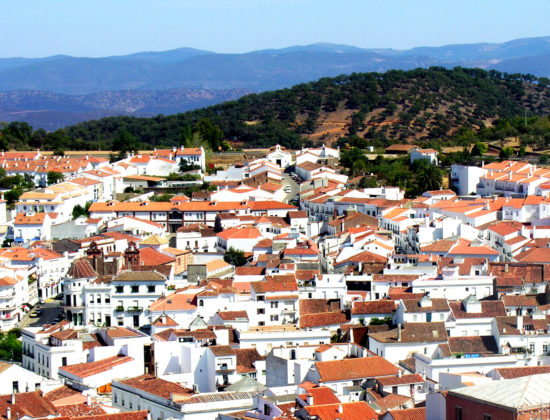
(135, 309)
(119, 308)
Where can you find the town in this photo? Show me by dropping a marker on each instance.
(276, 289)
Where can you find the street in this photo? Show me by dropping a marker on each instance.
(294, 188)
(50, 310)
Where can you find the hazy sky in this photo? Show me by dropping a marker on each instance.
(37, 28)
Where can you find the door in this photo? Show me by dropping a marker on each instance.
(429, 317)
(136, 320)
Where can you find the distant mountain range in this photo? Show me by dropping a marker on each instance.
(55, 91)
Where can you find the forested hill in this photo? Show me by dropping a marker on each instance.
(364, 108)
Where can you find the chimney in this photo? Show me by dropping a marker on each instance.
(8, 413)
(399, 332)
(13, 398)
(88, 400)
(399, 373)
(340, 409)
(309, 399)
(505, 268)
(519, 322)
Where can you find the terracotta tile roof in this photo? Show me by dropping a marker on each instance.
(505, 228)
(322, 395)
(275, 284)
(221, 351)
(402, 380)
(177, 301)
(30, 219)
(438, 305)
(507, 325)
(233, 315)
(538, 255)
(249, 271)
(84, 370)
(216, 265)
(359, 368)
(316, 306)
(517, 372)
(409, 414)
(489, 309)
(60, 393)
(121, 332)
(414, 332)
(473, 345)
(81, 409)
(246, 359)
(27, 404)
(82, 269)
(322, 319)
(139, 276)
(359, 410)
(297, 214)
(156, 386)
(151, 256)
(392, 401)
(519, 300)
(374, 307)
(443, 245)
(164, 321)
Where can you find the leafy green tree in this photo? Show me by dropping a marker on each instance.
(235, 257)
(54, 177)
(479, 149)
(10, 346)
(78, 210)
(349, 157)
(506, 153)
(427, 177)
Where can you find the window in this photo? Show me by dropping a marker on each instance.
(260, 298)
(116, 397)
(107, 299)
(135, 289)
(120, 321)
(415, 318)
(120, 289)
(91, 298)
(260, 311)
(201, 302)
(151, 289)
(15, 386)
(458, 413)
(274, 317)
(532, 347)
(441, 317)
(63, 361)
(98, 300)
(274, 305)
(487, 417)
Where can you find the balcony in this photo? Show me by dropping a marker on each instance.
(135, 309)
(119, 308)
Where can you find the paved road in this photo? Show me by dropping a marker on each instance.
(50, 311)
(294, 188)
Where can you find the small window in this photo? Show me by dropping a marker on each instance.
(260, 311)
(487, 417)
(274, 305)
(120, 289)
(458, 413)
(135, 289)
(151, 289)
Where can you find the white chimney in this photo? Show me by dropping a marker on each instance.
(88, 400)
(309, 399)
(399, 332)
(340, 408)
(13, 398)
(8, 413)
(519, 322)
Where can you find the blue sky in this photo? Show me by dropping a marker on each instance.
(38, 28)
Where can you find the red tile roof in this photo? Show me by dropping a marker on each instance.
(322, 319)
(359, 410)
(347, 369)
(83, 370)
(374, 307)
(82, 269)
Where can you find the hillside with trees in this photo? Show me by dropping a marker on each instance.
(434, 106)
